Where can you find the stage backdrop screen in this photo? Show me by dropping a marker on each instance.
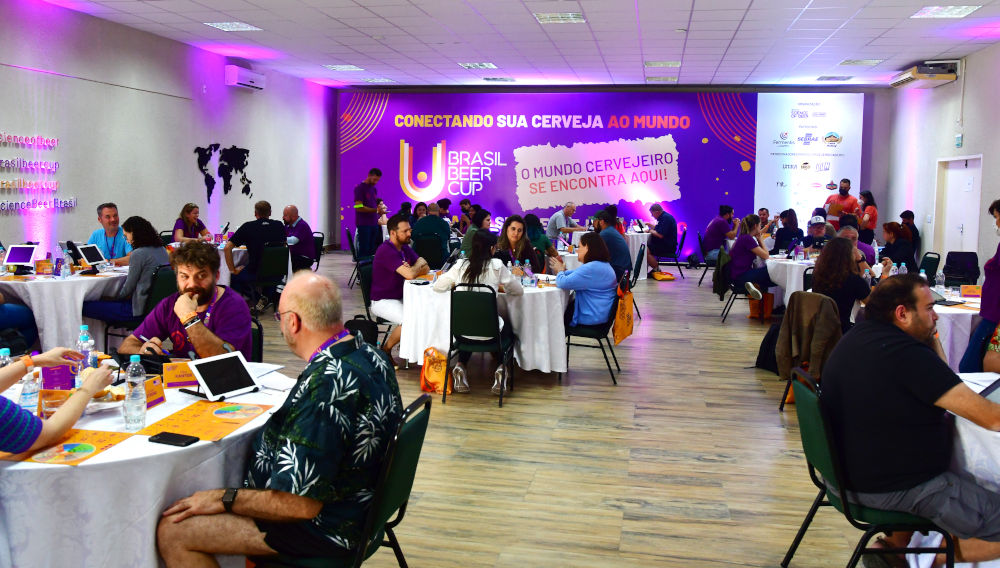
(533, 152)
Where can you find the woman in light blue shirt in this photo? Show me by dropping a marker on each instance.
(594, 282)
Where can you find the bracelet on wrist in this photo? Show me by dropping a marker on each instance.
(193, 321)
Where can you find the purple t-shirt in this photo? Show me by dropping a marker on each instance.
(301, 230)
(715, 234)
(387, 284)
(742, 255)
(868, 251)
(989, 308)
(18, 428)
(193, 231)
(229, 320)
(366, 194)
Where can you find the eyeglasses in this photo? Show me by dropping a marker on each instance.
(277, 315)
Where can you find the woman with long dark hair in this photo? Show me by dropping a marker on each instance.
(594, 282)
(535, 234)
(188, 226)
(749, 246)
(838, 275)
(867, 217)
(480, 268)
(419, 210)
(480, 221)
(147, 254)
(789, 231)
(898, 247)
(513, 246)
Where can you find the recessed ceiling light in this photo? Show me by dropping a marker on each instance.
(483, 65)
(559, 18)
(681, 30)
(945, 11)
(661, 79)
(378, 80)
(343, 68)
(499, 79)
(834, 78)
(865, 62)
(233, 26)
(662, 63)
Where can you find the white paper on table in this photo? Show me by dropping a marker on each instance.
(258, 370)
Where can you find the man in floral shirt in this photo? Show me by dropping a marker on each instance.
(314, 465)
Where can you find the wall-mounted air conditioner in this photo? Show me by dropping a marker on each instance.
(240, 77)
(927, 76)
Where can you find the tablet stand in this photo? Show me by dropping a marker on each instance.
(22, 271)
(198, 393)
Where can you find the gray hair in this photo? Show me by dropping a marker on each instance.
(318, 303)
(433, 208)
(656, 207)
(847, 229)
(104, 206)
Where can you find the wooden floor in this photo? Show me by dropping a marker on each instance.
(686, 462)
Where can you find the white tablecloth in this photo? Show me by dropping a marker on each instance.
(58, 304)
(239, 258)
(104, 511)
(634, 240)
(570, 259)
(955, 326)
(787, 274)
(536, 319)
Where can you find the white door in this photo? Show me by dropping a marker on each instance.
(960, 219)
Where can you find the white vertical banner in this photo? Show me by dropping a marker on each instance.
(804, 142)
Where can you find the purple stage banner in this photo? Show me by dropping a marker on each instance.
(518, 153)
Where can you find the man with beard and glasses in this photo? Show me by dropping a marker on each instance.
(394, 263)
(840, 203)
(201, 318)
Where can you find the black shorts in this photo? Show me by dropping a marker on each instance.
(298, 539)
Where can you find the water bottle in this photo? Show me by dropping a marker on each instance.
(923, 274)
(902, 268)
(134, 408)
(3, 255)
(894, 270)
(528, 273)
(868, 277)
(30, 386)
(64, 270)
(939, 281)
(85, 345)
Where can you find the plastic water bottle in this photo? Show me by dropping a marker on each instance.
(3, 255)
(902, 268)
(64, 270)
(893, 271)
(134, 408)
(4, 357)
(85, 345)
(868, 277)
(529, 275)
(939, 282)
(923, 274)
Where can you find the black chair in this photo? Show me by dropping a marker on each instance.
(429, 247)
(166, 237)
(929, 264)
(600, 333)
(639, 258)
(675, 257)
(807, 279)
(256, 341)
(708, 263)
(365, 281)
(361, 325)
(273, 268)
(474, 314)
(354, 256)
(735, 290)
(961, 268)
(823, 456)
(391, 496)
(163, 283)
(318, 239)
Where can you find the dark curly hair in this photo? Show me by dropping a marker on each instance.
(196, 253)
(143, 233)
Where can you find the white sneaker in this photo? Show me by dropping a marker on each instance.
(458, 380)
(499, 380)
(753, 291)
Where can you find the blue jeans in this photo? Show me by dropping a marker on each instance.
(712, 255)
(108, 310)
(20, 318)
(369, 238)
(972, 361)
(757, 276)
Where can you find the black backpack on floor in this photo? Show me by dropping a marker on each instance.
(13, 340)
(766, 358)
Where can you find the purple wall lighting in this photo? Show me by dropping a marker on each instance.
(243, 51)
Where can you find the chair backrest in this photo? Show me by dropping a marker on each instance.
(350, 243)
(365, 276)
(363, 326)
(429, 247)
(164, 284)
(166, 237)
(639, 257)
(962, 266)
(807, 278)
(256, 341)
(929, 264)
(273, 262)
(399, 468)
(474, 311)
(318, 240)
(814, 428)
(680, 243)
(701, 246)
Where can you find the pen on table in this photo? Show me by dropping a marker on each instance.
(150, 349)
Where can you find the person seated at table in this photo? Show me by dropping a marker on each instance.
(443, 204)
(830, 231)
(513, 246)
(748, 247)
(482, 267)
(662, 238)
(188, 227)
(788, 233)
(109, 238)
(433, 224)
(815, 237)
(888, 395)
(22, 431)
(849, 230)
(255, 235)
(621, 258)
(148, 253)
(562, 225)
(769, 225)
(419, 212)
(480, 221)
(719, 229)
(613, 216)
(202, 318)
(593, 281)
(315, 463)
(535, 234)
(898, 248)
(299, 237)
(19, 317)
(394, 263)
(465, 219)
(838, 275)
(405, 209)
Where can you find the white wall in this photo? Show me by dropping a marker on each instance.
(129, 108)
(923, 131)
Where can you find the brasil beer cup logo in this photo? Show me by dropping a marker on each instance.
(437, 178)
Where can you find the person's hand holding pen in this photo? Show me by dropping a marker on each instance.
(154, 346)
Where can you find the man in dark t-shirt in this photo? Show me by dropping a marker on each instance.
(254, 234)
(662, 238)
(889, 393)
(366, 214)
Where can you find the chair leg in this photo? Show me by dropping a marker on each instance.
(394, 543)
(611, 346)
(677, 263)
(354, 276)
(636, 307)
(729, 306)
(802, 529)
(607, 362)
(703, 273)
(862, 545)
(784, 395)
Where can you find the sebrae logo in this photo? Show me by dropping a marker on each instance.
(808, 138)
(406, 182)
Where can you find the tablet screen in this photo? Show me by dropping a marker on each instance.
(224, 373)
(92, 254)
(20, 254)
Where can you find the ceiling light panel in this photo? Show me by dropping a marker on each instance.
(862, 62)
(343, 68)
(560, 18)
(233, 26)
(945, 11)
(482, 65)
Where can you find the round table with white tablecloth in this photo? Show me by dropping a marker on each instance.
(955, 326)
(58, 304)
(536, 318)
(239, 258)
(788, 274)
(570, 259)
(104, 511)
(634, 241)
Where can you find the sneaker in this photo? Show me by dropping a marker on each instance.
(753, 291)
(458, 379)
(262, 304)
(500, 380)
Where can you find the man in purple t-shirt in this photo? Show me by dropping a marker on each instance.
(202, 318)
(300, 239)
(719, 229)
(395, 262)
(366, 214)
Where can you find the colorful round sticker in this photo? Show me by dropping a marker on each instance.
(237, 411)
(64, 453)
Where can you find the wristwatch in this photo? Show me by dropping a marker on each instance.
(228, 498)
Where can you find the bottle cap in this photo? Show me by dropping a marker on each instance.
(4, 352)
(134, 359)
(84, 327)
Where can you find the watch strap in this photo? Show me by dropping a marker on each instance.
(229, 498)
